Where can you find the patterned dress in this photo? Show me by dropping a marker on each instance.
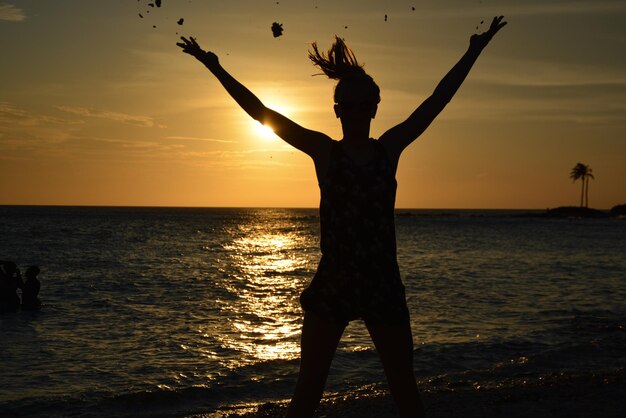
(358, 275)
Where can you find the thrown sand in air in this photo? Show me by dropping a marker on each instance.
(277, 29)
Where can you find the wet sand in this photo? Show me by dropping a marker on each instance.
(594, 395)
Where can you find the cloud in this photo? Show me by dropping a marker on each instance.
(14, 116)
(144, 121)
(192, 138)
(11, 13)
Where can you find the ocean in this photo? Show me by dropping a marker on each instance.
(180, 311)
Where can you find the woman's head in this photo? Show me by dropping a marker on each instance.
(355, 86)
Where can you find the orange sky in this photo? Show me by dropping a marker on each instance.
(97, 107)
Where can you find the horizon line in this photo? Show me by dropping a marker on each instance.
(274, 207)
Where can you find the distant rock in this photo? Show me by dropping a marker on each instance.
(618, 211)
(575, 212)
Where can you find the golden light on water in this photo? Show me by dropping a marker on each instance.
(265, 319)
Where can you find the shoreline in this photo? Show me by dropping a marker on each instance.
(598, 395)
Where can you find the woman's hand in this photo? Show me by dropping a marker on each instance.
(191, 47)
(480, 40)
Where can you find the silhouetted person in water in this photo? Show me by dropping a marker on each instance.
(30, 290)
(10, 281)
(358, 274)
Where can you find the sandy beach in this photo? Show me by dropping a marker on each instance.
(594, 395)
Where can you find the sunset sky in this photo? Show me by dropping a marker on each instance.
(98, 107)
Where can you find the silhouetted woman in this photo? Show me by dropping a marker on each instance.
(358, 274)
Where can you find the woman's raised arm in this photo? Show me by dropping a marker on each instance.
(399, 137)
(306, 140)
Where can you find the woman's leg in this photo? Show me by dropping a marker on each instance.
(318, 344)
(394, 344)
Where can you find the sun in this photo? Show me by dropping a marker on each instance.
(263, 131)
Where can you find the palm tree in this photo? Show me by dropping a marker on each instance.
(583, 172)
(589, 176)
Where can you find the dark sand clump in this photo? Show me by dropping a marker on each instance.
(277, 29)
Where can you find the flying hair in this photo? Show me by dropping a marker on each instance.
(338, 63)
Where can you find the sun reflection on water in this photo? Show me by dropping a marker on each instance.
(265, 317)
